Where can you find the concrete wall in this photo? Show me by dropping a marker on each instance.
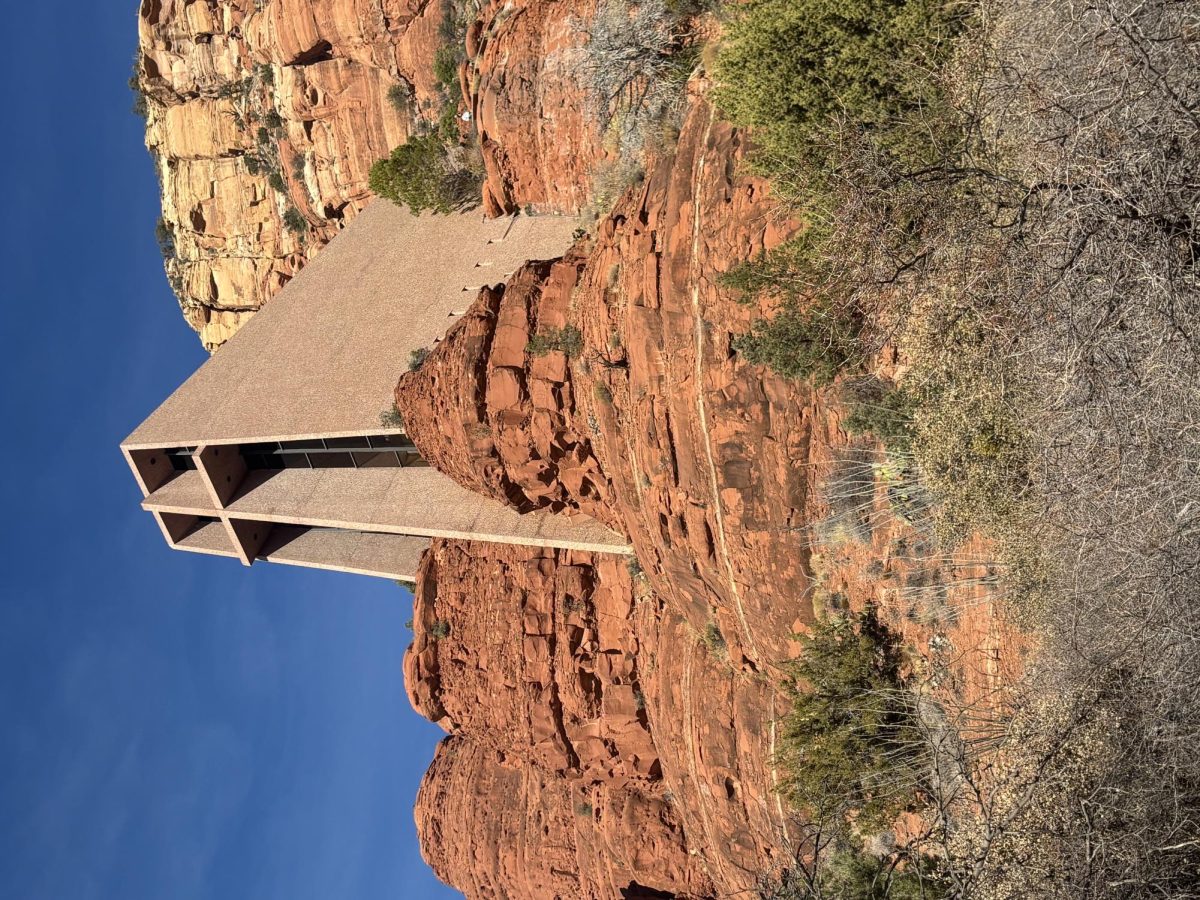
(410, 501)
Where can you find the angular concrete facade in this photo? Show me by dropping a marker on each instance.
(273, 449)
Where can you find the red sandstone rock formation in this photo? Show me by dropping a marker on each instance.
(316, 75)
(539, 142)
(500, 420)
(712, 467)
(595, 745)
(656, 428)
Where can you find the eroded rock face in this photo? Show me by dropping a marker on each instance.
(244, 209)
(501, 420)
(596, 744)
(540, 142)
(315, 75)
(655, 426)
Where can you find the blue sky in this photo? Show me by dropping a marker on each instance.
(173, 725)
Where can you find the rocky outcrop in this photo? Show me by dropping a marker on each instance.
(596, 745)
(264, 117)
(500, 419)
(540, 142)
(655, 425)
(714, 468)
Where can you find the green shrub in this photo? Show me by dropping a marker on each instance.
(849, 873)
(791, 66)
(263, 136)
(446, 60)
(294, 221)
(584, 809)
(714, 640)
(752, 277)
(815, 341)
(401, 98)
(568, 339)
(254, 165)
(298, 166)
(275, 180)
(880, 409)
(447, 124)
(141, 106)
(273, 122)
(845, 745)
(419, 174)
(416, 358)
(265, 73)
(439, 630)
(390, 418)
(165, 235)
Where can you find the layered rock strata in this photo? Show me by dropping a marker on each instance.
(524, 86)
(654, 425)
(265, 116)
(596, 749)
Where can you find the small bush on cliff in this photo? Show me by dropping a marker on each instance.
(445, 65)
(846, 747)
(714, 640)
(568, 339)
(390, 418)
(421, 175)
(416, 358)
(294, 221)
(439, 630)
(400, 96)
(165, 235)
(814, 341)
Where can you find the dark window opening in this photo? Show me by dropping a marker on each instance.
(391, 450)
(181, 458)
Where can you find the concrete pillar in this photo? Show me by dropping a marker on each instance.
(223, 470)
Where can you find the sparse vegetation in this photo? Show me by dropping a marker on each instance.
(400, 96)
(422, 175)
(714, 641)
(439, 630)
(1005, 192)
(880, 409)
(294, 221)
(567, 339)
(634, 69)
(165, 236)
(391, 418)
(416, 358)
(846, 747)
(446, 60)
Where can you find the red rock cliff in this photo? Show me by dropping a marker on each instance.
(595, 745)
(265, 116)
(655, 427)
